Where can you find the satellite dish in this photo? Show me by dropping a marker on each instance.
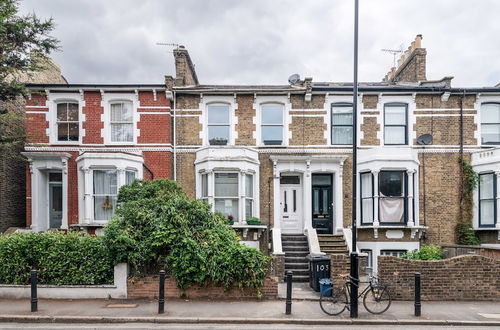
(293, 78)
(424, 140)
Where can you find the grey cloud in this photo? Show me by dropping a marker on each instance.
(265, 41)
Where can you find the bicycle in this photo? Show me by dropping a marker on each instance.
(376, 296)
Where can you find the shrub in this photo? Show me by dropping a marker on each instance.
(426, 252)
(60, 258)
(253, 221)
(156, 224)
(465, 234)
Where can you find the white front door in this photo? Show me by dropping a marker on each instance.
(291, 206)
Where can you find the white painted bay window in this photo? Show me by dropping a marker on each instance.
(385, 199)
(122, 122)
(272, 117)
(248, 196)
(219, 124)
(68, 124)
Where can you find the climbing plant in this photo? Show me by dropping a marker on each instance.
(465, 234)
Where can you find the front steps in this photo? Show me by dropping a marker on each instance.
(334, 245)
(296, 250)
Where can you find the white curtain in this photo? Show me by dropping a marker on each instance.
(391, 209)
(105, 191)
(226, 184)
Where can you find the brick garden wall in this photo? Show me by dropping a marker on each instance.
(147, 287)
(460, 278)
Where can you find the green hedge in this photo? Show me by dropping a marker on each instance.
(60, 258)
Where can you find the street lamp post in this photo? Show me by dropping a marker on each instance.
(354, 255)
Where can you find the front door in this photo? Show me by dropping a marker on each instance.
(291, 204)
(322, 206)
(55, 200)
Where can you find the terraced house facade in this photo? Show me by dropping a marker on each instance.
(280, 153)
(85, 142)
(284, 154)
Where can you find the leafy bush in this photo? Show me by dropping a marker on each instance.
(60, 258)
(465, 234)
(156, 224)
(426, 252)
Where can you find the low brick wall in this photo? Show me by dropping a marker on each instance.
(147, 287)
(470, 277)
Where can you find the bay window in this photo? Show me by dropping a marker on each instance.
(395, 124)
(487, 200)
(105, 194)
(68, 124)
(218, 124)
(121, 122)
(342, 131)
(490, 123)
(130, 176)
(384, 199)
(272, 117)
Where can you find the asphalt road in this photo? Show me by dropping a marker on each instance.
(134, 326)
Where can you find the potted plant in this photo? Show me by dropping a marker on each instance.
(230, 219)
(218, 141)
(253, 221)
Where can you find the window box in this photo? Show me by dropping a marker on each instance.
(218, 142)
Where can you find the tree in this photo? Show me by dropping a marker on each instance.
(25, 44)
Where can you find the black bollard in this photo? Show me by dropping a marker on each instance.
(161, 294)
(354, 285)
(418, 305)
(288, 279)
(34, 296)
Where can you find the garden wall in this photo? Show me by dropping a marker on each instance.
(147, 287)
(118, 290)
(471, 277)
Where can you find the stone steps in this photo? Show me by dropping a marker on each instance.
(296, 249)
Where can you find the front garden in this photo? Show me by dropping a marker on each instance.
(155, 227)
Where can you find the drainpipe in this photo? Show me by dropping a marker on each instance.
(462, 98)
(174, 140)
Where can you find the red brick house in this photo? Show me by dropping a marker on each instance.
(85, 142)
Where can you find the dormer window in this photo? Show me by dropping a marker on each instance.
(121, 121)
(272, 124)
(218, 124)
(68, 124)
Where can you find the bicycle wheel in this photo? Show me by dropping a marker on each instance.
(335, 303)
(377, 300)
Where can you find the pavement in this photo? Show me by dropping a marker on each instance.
(177, 311)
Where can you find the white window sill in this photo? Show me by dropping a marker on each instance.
(486, 228)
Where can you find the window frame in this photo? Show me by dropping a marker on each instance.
(117, 173)
(228, 124)
(372, 197)
(67, 122)
(282, 125)
(332, 125)
(111, 122)
(58, 98)
(396, 104)
(237, 197)
(246, 197)
(390, 252)
(405, 199)
(369, 260)
(481, 125)
(494, 199)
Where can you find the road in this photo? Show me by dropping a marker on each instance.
(137, 326)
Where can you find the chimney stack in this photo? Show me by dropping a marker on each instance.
(185, 74)
(411, 66)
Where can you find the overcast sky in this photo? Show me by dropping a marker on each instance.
(265, 41)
